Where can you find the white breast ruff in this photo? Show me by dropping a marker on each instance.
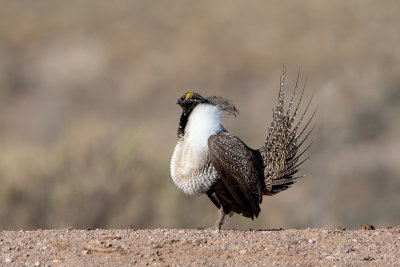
(191, 169)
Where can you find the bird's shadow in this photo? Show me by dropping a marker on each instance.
(255, 230)
(268, 230)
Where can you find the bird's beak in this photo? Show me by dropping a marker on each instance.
(180, 102)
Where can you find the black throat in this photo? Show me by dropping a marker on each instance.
(187, 110)
(182, 124)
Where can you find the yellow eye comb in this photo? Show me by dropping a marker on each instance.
(188, 95)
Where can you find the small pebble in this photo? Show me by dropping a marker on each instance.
(311, 240)
(368, 258)
(37, 263)
(8, 260)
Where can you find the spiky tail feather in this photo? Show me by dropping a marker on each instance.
(280, 151)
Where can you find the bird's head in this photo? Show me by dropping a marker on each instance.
(189, 101)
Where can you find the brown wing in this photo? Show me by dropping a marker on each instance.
(239, 169)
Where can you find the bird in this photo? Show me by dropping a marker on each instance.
(208, 159)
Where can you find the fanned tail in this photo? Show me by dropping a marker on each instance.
(280, 152)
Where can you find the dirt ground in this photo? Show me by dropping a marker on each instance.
(165, 247)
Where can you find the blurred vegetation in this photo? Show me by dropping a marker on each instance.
(88, 117)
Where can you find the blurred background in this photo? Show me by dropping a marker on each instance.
(88, 118)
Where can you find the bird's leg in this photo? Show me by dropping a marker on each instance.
(220, 220)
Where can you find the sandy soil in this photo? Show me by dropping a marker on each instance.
(164, 247)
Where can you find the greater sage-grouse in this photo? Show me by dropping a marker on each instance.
(209, 159)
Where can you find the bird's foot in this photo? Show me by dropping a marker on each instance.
(220, 221)
(216, 230)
